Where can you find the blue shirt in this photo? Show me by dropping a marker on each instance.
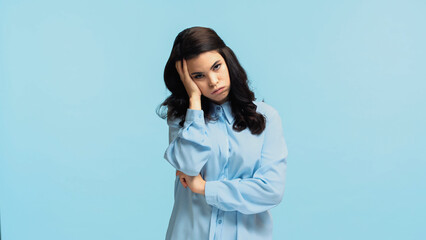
(244, 174)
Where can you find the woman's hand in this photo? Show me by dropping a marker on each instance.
(195, 183)
(191, 88)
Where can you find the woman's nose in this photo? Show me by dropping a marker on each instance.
(213, 81)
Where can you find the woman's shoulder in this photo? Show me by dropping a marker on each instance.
(174, 121)
(265, 108)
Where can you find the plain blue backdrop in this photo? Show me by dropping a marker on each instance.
(81, 147)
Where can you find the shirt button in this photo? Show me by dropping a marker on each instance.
(229, 149)
(218, 108)
(220, 221)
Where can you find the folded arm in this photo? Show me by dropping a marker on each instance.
(265, 189)
(189, 146)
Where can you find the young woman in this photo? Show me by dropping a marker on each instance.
(228, 150)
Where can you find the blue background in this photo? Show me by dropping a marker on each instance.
(81, 148)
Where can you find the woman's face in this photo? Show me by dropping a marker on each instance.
(210, 73)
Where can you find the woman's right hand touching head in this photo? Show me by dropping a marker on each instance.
(191, 88)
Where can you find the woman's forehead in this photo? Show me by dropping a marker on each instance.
(204, 60)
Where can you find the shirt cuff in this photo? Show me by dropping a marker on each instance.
(193, 115)
(210, 192)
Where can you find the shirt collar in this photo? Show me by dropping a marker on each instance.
(226, 108)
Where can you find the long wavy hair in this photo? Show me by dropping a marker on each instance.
(189, 44)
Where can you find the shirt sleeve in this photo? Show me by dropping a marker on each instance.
(265, 189)
(189, 146)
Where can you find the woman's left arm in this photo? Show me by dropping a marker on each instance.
(265, 189)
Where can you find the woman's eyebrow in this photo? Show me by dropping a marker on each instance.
(210, 68)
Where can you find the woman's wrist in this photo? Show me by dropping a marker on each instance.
(195, 102)
(203, 188)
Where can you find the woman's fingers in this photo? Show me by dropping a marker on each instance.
(185, 70)
(182, 182)
(182, 69)
(182, 178)
(190, 86)
(185, 184)
(178, 67)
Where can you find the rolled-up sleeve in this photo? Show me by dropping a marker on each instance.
(189, 146)
(265, 189)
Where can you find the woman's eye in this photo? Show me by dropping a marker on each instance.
(200, 76)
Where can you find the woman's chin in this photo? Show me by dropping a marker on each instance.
(220, 100)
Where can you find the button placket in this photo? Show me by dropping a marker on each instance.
(219, 217)
(213, 228)
(219, 112)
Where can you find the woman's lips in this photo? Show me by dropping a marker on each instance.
(218, 91)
